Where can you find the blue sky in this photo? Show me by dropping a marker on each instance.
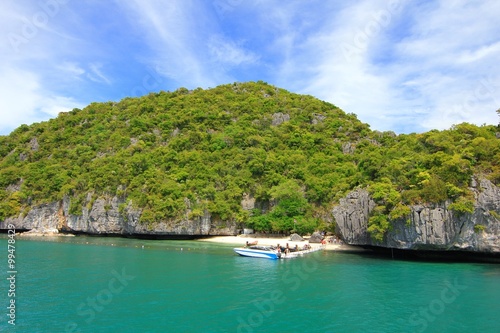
(399, 65)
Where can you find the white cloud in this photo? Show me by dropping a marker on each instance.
(230, 53)
(56, 104)
(24, 101)
(74, 71)
(480, 53)
(96, 74)
(399, 65)
(30, 70)
(19, 98)
(173, 31)
(318, 65)
(432, 73)
(455, 67)
(71, 68)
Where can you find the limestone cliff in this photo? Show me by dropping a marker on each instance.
(429, 227)
(103, 216)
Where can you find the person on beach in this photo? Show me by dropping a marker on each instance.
(252, 243)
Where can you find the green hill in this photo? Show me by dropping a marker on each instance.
(295, 155)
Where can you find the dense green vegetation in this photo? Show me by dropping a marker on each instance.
(296, 155)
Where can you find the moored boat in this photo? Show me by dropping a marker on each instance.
(270, 252)
(257, 252)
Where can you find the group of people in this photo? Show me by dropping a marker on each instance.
(248, 244)
(335, 240)
(287, 249)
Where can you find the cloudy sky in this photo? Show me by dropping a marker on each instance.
(400, 65)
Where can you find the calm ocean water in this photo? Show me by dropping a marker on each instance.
(90, 284)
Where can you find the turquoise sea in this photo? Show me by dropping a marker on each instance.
(91, 284)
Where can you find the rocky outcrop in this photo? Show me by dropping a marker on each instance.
(348, 148)
(279, 118)
(296, 238)
(317, 118)
(431, 227)
(351, 217)
(113, 216)
(316, 237)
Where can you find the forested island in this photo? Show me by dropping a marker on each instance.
(251, 155)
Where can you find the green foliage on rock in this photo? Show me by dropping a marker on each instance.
(378, 224)
(462, 206)
(478, 228)
(201, 151)
(291, 211)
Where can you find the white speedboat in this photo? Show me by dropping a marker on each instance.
(269, 252)
(258, 252)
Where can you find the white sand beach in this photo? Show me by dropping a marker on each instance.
(242, 239)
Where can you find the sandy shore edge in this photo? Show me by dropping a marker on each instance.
(241, 240)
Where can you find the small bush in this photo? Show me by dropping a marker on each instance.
(462, 206)
(479, 228)
(76, 205)
(378, 225)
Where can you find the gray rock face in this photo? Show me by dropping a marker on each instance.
(105, 217)
(279, 118)
(348, 148)
(430, 227)
(315, 238)
(296, 238)
(351, 217)
(317, 118)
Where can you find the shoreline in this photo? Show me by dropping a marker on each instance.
(242, 239)
(236, 241)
